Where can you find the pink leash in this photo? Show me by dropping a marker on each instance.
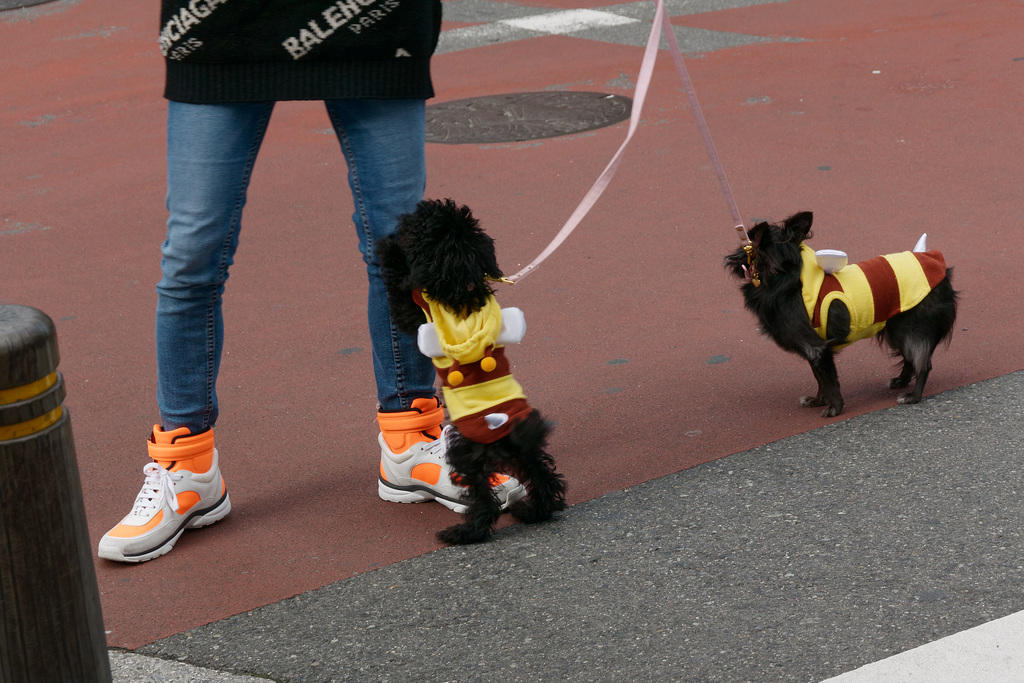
(660, 25)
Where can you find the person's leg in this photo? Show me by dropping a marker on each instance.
(210, 154)
(384, 144)
(211, 150)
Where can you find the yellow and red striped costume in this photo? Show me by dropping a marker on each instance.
(873, 290)
(484, 404)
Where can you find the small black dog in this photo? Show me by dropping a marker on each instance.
(906, 301)
(437, 268)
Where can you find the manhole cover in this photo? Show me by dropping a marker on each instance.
(523, 116)
(15, 4)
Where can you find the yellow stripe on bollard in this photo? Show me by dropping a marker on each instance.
(22, 429)
(27, 391)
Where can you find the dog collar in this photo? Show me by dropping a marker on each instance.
(750, 269)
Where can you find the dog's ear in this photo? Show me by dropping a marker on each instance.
(396, 272)
(393, 264)
(799, 226)
(758, 233)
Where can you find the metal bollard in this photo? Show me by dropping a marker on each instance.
(51, 623)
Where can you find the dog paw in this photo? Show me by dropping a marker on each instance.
(463, 534)
(811, 401)
(527, 513)
(832, 411)
(898, 383)
(907, 399)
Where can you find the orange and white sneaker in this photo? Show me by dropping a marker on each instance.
(413, 466)
(183, 490)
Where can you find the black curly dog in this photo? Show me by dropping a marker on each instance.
(440, 249)
(912, 335)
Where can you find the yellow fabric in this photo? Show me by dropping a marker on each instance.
(913, 281)
(812, 277)
(465, 338)
(856, 294)
(479, 398)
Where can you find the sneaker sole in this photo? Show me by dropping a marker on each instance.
(198, 519)
(395, 494)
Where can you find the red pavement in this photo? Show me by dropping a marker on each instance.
(627, 321)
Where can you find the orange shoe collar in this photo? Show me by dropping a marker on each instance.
(179, 445)
(402, 429)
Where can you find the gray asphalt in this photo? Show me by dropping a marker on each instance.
(796, 561)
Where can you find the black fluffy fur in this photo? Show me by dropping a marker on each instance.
(441, 249)
(912, 335)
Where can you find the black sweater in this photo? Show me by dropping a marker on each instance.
(255, 50)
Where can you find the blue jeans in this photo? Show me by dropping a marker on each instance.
(211, 150)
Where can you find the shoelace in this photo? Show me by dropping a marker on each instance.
(437, 448)
(159, 482)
